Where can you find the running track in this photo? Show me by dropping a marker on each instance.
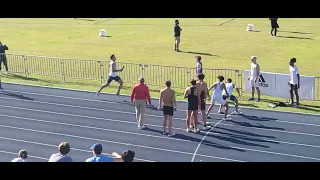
(38, 119)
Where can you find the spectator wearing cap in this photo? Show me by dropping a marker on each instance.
(22, 156)
(140, 93)
(99, 157)
(126, 156)
(61, 156)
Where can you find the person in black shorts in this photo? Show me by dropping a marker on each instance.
(168, 99)
(191, 93)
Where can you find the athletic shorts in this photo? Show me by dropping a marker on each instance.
(116, 78)
(294, 86)
(177, 39)
(168, 110)
(232, 97)
(254, 84)
(218, 99)
(193, 107)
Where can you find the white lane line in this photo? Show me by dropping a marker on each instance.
(84, 107)
(15, 153)
(274, 130)
(51, 112)
(55, 146)
(116, 142)
(110, 102)
(176, 128)
(82, 99)
(195, 152)
(96, 128)
(127, 96)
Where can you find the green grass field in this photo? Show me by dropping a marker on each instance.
(150, 41)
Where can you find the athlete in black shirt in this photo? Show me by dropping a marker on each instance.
(177, 33)
(191, 94)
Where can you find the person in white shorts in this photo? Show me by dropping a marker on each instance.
(113, 75)
(254, 78)
(294, 80)
(230, 86)
(217, 96)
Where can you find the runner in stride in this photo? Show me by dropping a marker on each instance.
(230, 86)
(192, 112)
(217, 96)
(113, 75)
(168, 99)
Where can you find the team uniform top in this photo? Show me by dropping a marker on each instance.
(199, 68)
(192, 100)
(113, 74)
(253, 71)
(229, 87)
(217, 95)
(294, 71)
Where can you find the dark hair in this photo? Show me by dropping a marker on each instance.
(221, 78)
(176, 21)
(193, 82)
(64, 148)
(198, 58)
(229, 80)
(168, 83)
(112, 56)
(201, 76)
(128, 155)
(293, 60)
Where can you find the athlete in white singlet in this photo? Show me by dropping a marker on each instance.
(254, 78)
(113, 75)
(217, 96)
(230, 86)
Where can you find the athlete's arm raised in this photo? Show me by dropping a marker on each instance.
(116, 70)
(213, 86)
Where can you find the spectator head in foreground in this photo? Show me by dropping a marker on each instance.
(99, 157)
(61, 156)
(96, 149)
(22, 156)
(128, 155)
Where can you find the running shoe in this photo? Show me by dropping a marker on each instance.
(171, 134)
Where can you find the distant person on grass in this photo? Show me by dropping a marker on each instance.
(61, 156)
(99, 157)
(274, 26)
(168, 99)
(22, 156)
(177, 33)
(254, 78)
(230, 86)
(294, 80)
(3, 58)
(113, 75)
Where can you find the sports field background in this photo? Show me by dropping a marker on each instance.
(150, 41)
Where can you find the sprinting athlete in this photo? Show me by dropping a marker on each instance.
(113, 75)
(168, 99)
(217, 96)
(192, 112)
(202, 95)
(254, 77)
(230, 86)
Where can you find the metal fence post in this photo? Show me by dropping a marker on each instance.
(25, 66)
(101, 72)
(62, 70)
